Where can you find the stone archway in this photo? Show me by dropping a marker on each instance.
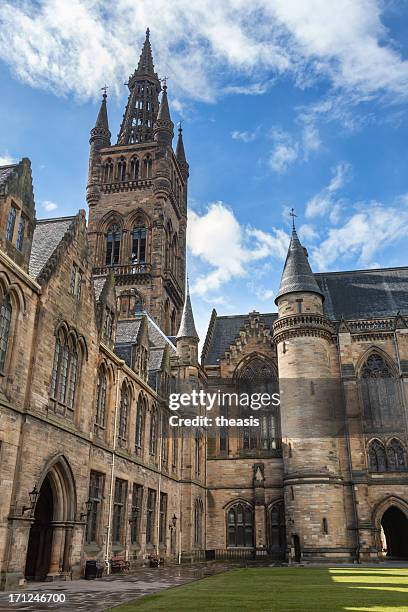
(394, 523)
(49, 543)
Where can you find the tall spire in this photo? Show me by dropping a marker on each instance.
(163, 127)
(101, 129)
(145, 65)
(180, 154)
(187, 326)
(143, 102)
(297, 274)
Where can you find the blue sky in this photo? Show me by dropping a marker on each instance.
(283, 104)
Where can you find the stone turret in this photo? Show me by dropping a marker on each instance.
(311, 416)
(181, 155)
(187, 338)
(164, 127)
(100, 138)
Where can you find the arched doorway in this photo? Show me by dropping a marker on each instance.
(40, 540)
(277, 530)
(394, 524)
(49, 543)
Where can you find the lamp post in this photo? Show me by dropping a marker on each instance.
(34, 495)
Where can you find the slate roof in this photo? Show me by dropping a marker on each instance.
(48, 233)
(187, 326)
(155, 358)
(6, 171)
(99, 284)
(297, 274)
(364, 294)
(127, 331)
(226, 330)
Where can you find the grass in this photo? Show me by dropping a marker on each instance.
(286, 590)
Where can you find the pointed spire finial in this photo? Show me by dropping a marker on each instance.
(293, 215)
(187, 326)
(104, 89)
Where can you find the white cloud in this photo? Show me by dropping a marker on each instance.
(252, 89)
(285, 151)
(79, 45)
(244, 136)
(362, 236)
(6, 160)
(307, 232)
(229, 249)
(326, 201)
(49, 206)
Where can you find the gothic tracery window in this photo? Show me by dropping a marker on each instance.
(140, 421)
(108, 171)
(198, 523)
(379, 389)
(122, 170)
(5, 322)
(113, 239)
(153, 433)
(377, 459)
(65, 371)
(134, 168)
(240, 526)
(396, 456)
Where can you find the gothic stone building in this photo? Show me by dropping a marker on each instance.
(96, 329)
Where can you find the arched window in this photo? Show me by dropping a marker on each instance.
(396, 456)
(173, 330)
(113, 238)
(379, 391)
(258, 376)
(153, 433)
(108, 171)
(100, 412)
(147, 167)
(123, 414)
(198, 523)
(64, 376)
(377, 459)
(197, 454)
(164, 440)
(134, 168)
(277, 530)
(122, 170)
(5, 322)
(140, 421)
(139, 243)
(11, 221)
(240, 526)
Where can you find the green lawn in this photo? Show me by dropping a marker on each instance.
(285, 590)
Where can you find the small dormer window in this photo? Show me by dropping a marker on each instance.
(11, 221)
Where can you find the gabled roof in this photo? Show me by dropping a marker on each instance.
(224, 331)
(6, 172)
(364, 294)
(48, 234)
(128, 329)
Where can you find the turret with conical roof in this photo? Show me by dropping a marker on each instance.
(187, 338)
(163, 127)
(100, 138)
(181, 155)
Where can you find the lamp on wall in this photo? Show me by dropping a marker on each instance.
(88, 505)
(34, 494)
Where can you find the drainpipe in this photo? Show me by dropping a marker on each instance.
(109, 532)
(159, 481)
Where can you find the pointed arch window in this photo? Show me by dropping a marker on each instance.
(140, 424)
(100, 411)
(134, 168)
(147, 167)
(5, 323)
(379, 390)
(113, 239)
(153, 433)
(108, 171)
(397, 461)
(139, 243)
(20, 233)
(122, 170)
(377, 458)
(123, 414)
(277, 532)
(65, 372)
(240, 526)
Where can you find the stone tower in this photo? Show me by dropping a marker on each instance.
(311, 417)
(137, 197)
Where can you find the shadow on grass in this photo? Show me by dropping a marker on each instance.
(286, 590)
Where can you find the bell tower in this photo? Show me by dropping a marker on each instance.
(137, 198)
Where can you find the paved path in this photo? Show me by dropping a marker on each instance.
(101, 594)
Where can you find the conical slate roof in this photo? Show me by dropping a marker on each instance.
(164, 111)
(180, 153)
(297, 274)
(102, 119)
(187, 326)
